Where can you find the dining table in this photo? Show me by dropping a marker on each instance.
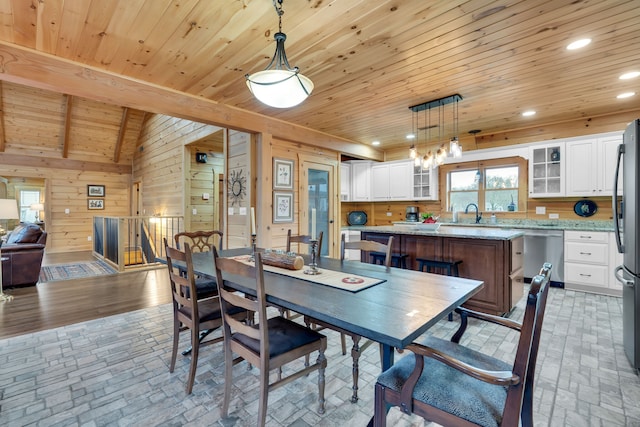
(398, 307)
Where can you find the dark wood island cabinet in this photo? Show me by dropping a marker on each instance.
(495, 256)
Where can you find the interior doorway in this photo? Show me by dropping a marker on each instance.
(203, 169)
(321, 192)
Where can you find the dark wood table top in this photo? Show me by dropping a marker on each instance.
(393, 313)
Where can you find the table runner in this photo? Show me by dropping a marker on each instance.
(336, 279)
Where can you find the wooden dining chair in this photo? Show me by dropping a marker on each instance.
(356, 349)
(190, 313)
(201, 241)
(368, 246)
(306, 239)
(453, 385)
(269, 344)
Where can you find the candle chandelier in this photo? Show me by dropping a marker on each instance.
(423, 122)
(279, 85)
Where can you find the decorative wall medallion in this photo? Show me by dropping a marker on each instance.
(585, 208)
(237, 187)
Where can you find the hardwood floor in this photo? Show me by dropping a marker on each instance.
(54, 304)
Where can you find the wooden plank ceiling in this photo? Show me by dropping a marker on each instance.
(369, 59)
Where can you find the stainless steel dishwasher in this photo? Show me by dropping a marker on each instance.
(542, 246)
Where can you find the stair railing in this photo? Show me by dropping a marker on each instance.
(133, 241)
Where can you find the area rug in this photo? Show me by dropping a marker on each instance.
(77, 270)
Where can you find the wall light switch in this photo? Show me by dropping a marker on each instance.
(541, 210)
(88, 238)
(554, 216)
(230, 211)
(205, 196)
(194, 211)
(66, 211)
(389, 214)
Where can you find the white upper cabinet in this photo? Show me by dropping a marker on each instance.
(391, 180)
(582, 164)
(591, 166)
(608, 153)
(546, 170)
(360, 180)
(425, 183)
(345, 182)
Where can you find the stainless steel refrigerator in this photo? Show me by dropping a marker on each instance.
(626, 214)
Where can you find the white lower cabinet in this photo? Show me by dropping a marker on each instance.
(588, 262)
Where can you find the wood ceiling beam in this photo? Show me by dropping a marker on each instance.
(31, 68)
(48, 162)
(66, 138)
(121, 133)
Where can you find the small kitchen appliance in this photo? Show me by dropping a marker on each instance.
(412, 214)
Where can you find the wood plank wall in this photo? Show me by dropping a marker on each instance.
(89, 159)
(159, 162)
(240, 156)
(203, 178)
(290, 150)
(67, 189)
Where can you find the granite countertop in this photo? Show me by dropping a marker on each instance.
(523, 224)
(485, 233)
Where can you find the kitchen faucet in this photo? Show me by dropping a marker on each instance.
(478, 214)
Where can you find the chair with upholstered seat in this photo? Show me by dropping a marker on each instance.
(357, 349)
(305, 239)
(453, 385)
(192, 313)
(201, 241)
(270, 344)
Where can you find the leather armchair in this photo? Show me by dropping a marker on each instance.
(22, 255)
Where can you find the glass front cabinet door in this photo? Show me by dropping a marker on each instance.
(546, 170)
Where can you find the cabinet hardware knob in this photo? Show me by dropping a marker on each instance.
(585, 253)
(585, 275)
(585, 237)
(518, 253)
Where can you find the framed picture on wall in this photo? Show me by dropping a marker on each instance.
(282, 206)
(282, 174)
(95, 204)
(95, 190)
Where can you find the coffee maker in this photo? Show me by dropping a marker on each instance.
(412, 214)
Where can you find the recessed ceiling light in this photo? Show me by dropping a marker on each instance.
(629, 75)
(625, 95)
(528, 113)
(410, 136)
(578, 44)
(375, 143)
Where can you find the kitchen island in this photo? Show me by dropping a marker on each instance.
(495, 256)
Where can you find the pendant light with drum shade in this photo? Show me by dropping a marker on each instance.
(279, 85)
